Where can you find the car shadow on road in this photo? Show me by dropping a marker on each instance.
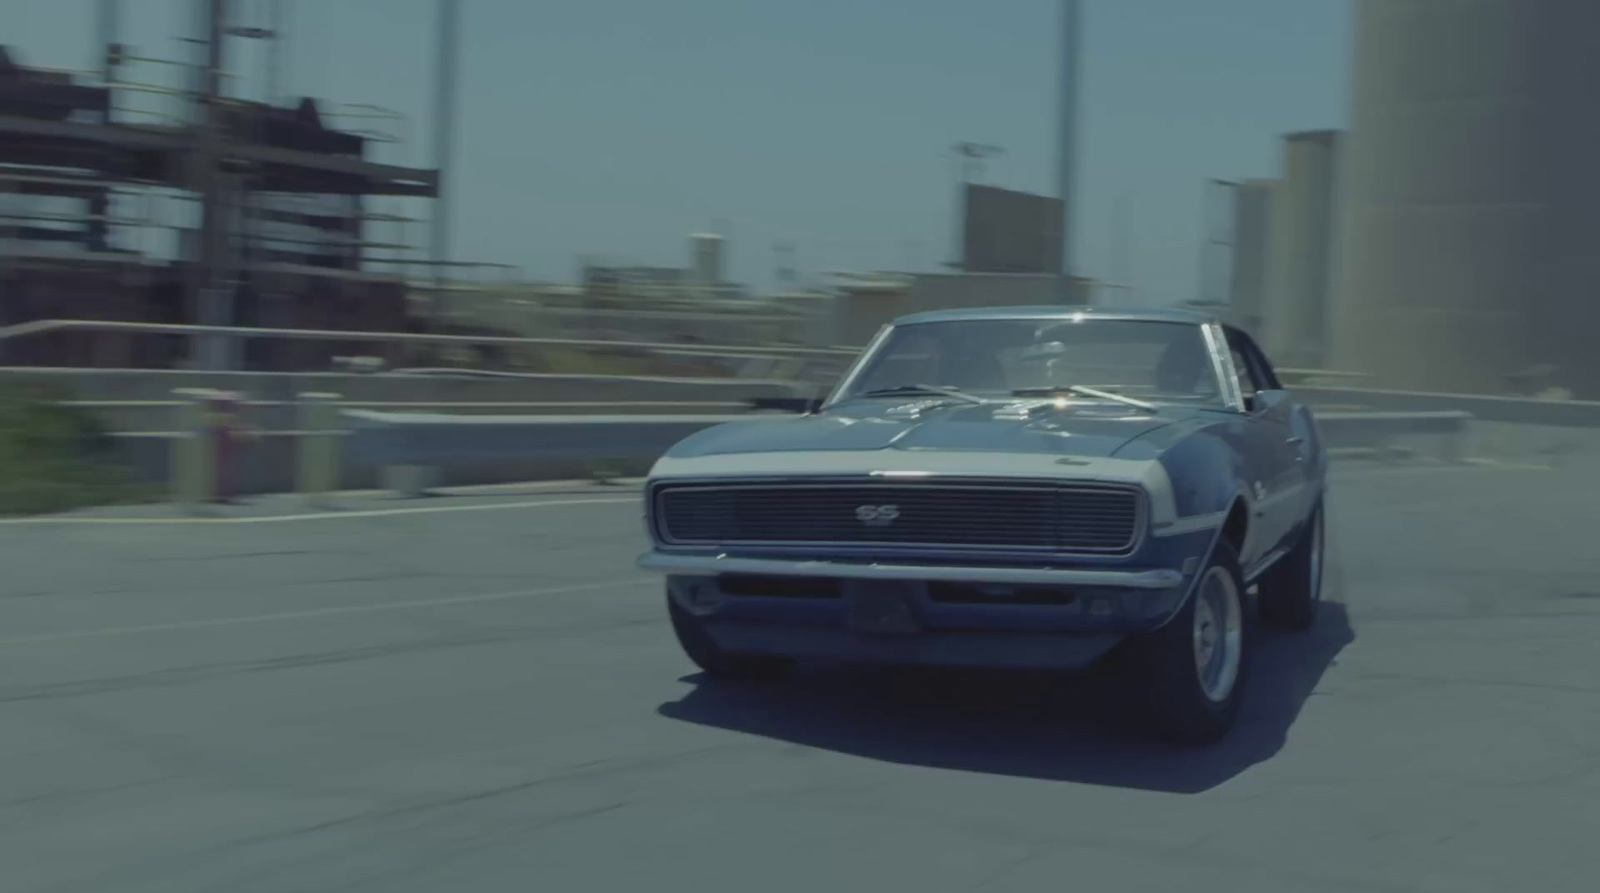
(1047, 726)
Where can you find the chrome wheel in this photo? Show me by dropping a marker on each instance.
(1218, 633)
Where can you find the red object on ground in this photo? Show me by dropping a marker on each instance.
(227, 445)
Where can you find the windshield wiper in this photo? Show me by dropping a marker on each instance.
(921, 389)
(1082, 391)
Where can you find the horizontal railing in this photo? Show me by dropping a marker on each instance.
(1517, 410)
(50, 326)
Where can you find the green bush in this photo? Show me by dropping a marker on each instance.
(53, 457)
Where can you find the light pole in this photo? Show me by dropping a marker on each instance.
(444, 115)
(1067, 110)
(110, 53)
(277, 33)
(214, 304)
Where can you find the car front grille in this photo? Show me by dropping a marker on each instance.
(1097, 518)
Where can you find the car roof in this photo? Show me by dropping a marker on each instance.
(1048, 312)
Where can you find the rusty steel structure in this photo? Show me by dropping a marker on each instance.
(283, 236)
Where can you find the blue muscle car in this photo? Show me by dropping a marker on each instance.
(1019, 487)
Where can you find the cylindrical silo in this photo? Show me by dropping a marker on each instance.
(1471, 223)
(1252, 226)
(706, 249)
(1295, 305)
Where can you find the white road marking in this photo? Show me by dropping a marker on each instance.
(317, 613)
(320, 516)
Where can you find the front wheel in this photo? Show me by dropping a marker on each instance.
(711, 658)
(1195, 667)
(1291, 591)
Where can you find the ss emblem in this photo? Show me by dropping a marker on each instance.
(877, 515)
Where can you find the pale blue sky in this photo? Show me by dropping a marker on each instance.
(617, 127)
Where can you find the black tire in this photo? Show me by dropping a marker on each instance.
(705, 653)
(1179, 706)
(1291, 591)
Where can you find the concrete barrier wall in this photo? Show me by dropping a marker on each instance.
(1557, 446)
(460, 450)
(122, 385)
(467, 449)
(142, 401)
(1517, 410)
(268, 465)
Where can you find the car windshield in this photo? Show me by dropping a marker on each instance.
(997, 358)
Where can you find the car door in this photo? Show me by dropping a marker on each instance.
(1304, 446)
(1276, 462)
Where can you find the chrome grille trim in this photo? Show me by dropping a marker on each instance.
(1002, 515)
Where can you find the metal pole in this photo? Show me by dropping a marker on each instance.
(958, 215)
(108, 38)
(211, 298)
(1071, 51)
(278, 24)
(444, 132)
(1120, 253)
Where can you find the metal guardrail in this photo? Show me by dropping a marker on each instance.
(1295, 377)
(423, 449)
(356, 441)
(47, 326)
(1517, 410)
(408, 452)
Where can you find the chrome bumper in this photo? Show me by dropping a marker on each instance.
(721, 564)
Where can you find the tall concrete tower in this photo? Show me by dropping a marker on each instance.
(1469, 248)
(1300, 244)
(1252, 228)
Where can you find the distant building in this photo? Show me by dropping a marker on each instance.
(1467, 255)
(702, 278)
(1004, 231)
(1252, 229)
(1296, 307)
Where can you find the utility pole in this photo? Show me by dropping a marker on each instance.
(213, 300)
(1121, 251)
(276, 49)
(1067, 152)
(109, 50)
(444, 132)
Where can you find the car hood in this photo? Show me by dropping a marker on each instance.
(1089, 430)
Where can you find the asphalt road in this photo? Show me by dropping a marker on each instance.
(484, 695)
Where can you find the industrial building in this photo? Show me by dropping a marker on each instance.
(281, 238)
(1472, 197)
(1300, 244)
(1248, 270)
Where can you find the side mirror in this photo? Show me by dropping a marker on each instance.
(1265, 401)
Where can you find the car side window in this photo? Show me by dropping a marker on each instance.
(1243, 369)
(1261, 371)
(1255, 373)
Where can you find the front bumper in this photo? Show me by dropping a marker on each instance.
(957, 615)
(839, 570)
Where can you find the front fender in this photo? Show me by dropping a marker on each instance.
(1206, 482)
